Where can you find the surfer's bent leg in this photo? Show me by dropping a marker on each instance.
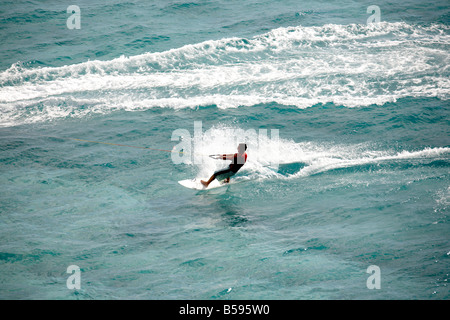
(219, 175)
(206, 183)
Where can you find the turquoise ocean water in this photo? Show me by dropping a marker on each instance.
(353, 170)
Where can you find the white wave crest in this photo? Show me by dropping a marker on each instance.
(349, 65)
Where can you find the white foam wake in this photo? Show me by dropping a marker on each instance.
(327, 163)
(268, 154)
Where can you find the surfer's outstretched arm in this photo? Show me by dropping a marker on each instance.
(227, 156)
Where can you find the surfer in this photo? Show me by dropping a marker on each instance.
(237, 161)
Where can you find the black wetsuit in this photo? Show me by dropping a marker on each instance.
(236, 164)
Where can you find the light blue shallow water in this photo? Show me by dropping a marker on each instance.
(358, 176)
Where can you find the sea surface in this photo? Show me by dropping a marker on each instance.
(345, 111)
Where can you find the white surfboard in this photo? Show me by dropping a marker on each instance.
(197, 185)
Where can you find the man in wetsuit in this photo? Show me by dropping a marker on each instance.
(237, 161)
